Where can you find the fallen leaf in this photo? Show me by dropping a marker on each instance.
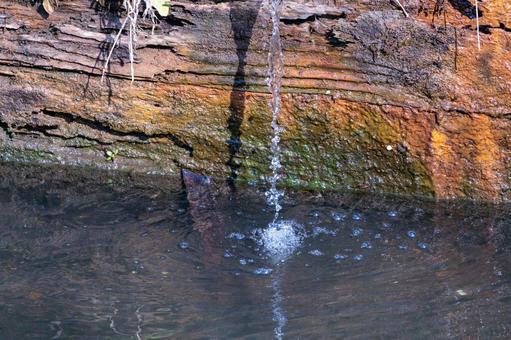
(48, 6)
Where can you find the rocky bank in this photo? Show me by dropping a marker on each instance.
(373, 100)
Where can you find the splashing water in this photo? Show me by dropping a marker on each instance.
(275, 62)
(281, 239)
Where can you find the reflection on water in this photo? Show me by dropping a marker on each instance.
(110, 256)
(279, 315)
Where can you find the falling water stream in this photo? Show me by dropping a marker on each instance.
(281, 237)
(275, 61)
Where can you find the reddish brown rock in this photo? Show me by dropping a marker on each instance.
(372, 99)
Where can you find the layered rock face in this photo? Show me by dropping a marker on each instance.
(372, 99)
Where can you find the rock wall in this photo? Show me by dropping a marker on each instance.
(372, 100)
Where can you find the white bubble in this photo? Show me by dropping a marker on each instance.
(236, 236)
(316, 231)
(263, 271)
(316, 252)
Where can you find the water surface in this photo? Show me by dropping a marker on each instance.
(99, 255)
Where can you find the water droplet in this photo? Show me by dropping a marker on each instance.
(340, 257)
(184, 245)
(336, 216)
(263, 271)
(392, 213)
(411, 234)
(316, 252)
(314, 213)
(366, 245)
(377, 236)
(422, 245)
(243, 262)
(358, 257)
(356, 232)
(386, 225)
(402, 247)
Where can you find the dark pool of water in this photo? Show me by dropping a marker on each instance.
(98, 255)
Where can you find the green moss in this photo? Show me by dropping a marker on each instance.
(468, 188)
(11, 154)
(355, 157)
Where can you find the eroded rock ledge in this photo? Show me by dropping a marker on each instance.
(372, 100)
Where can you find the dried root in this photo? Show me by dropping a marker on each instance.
(402, 8)
(130, 23)
(477, 24)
